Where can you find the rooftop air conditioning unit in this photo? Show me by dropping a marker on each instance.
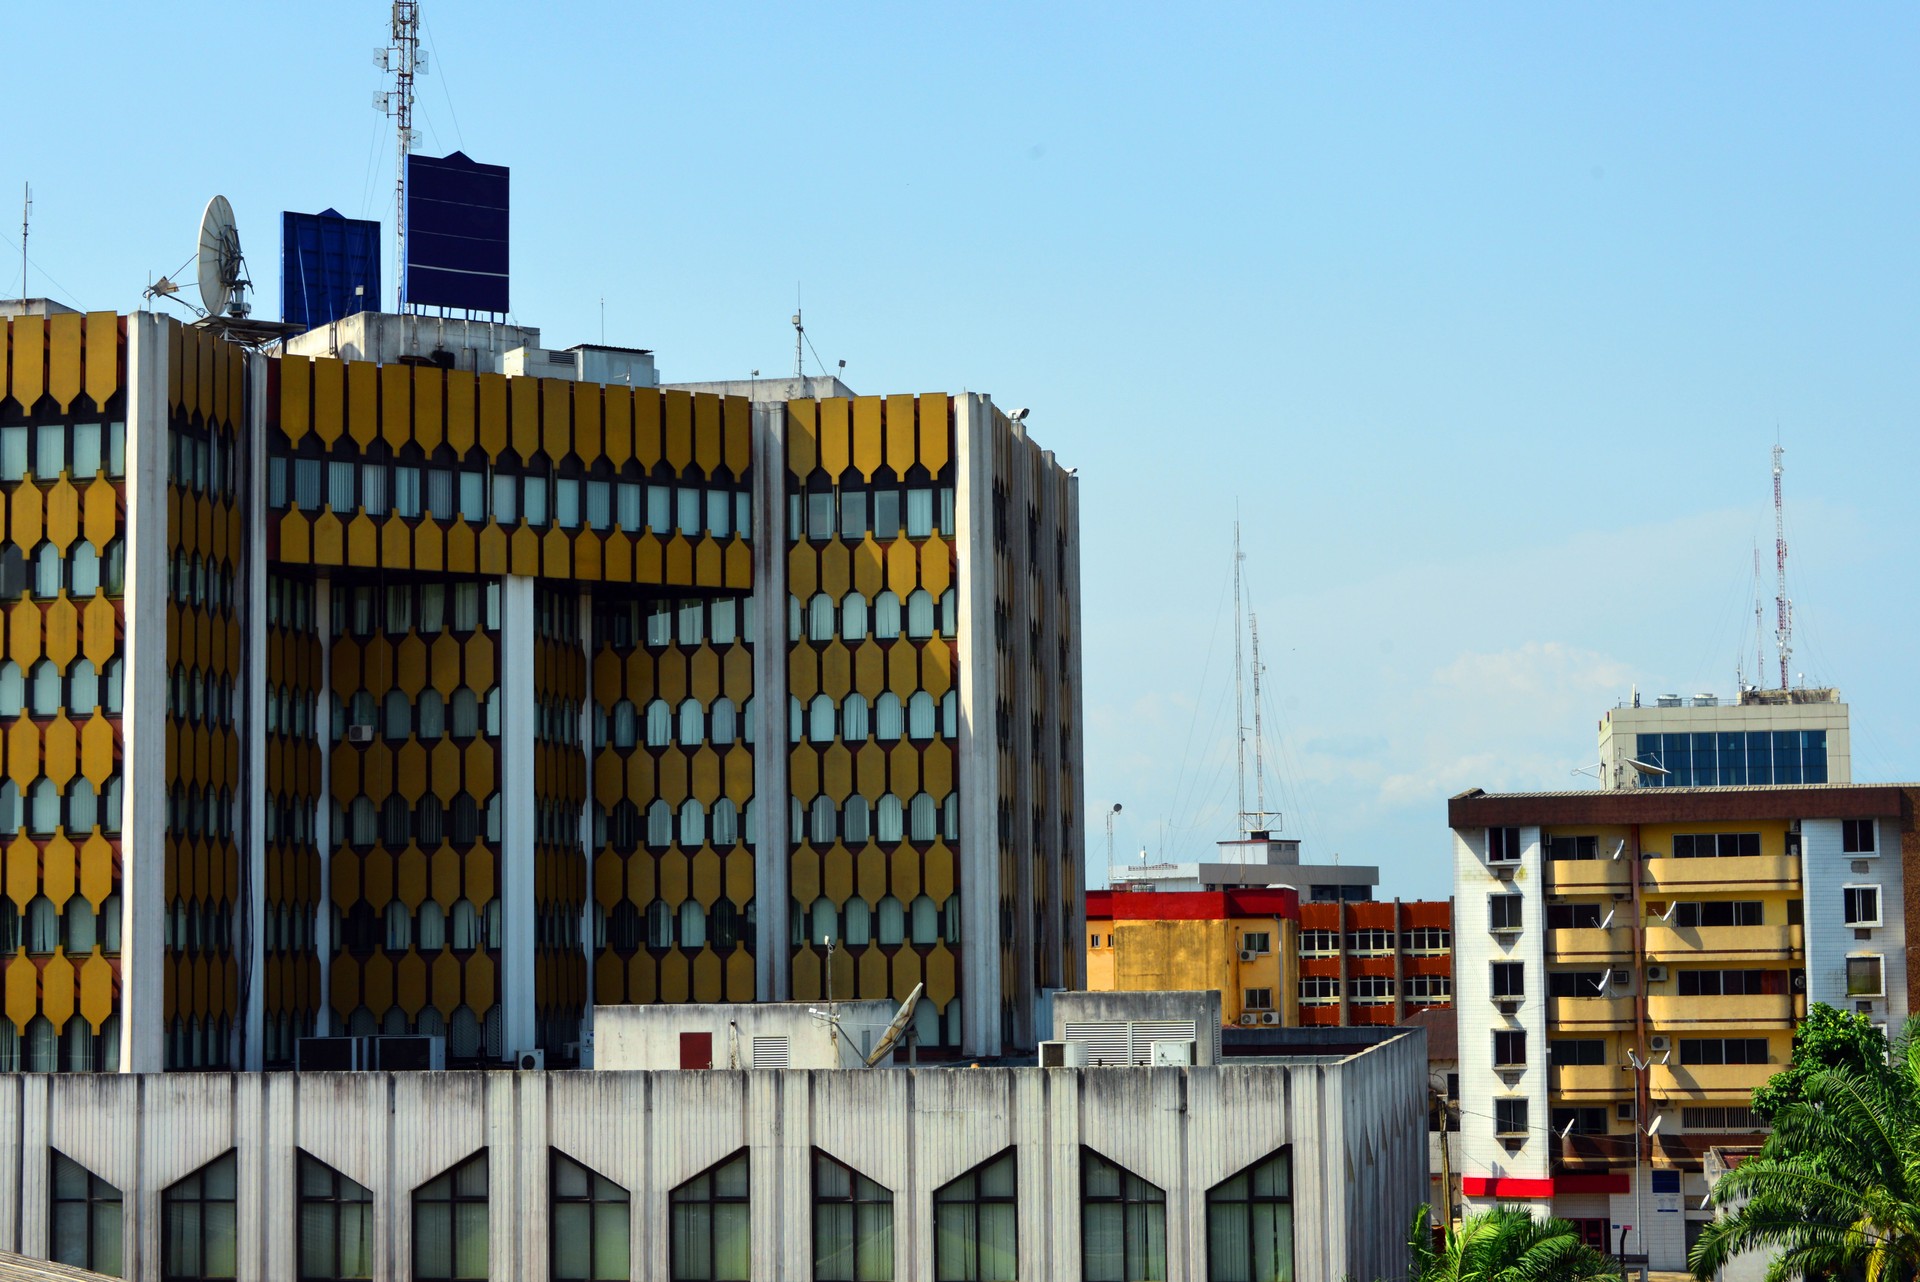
(1247, 954)
(1660, 1042)
(1270, 1017)
(1249, 1018)
(1172, 1054)
(1053, 1054)
(359, 734)
(1656, 974)
(530, 1061)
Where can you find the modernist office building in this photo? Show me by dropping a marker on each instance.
(408, 694)
(1638, 960)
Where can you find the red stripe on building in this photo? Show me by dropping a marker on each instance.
(1591, 1184)
(1492, 1186)
(1192, 905)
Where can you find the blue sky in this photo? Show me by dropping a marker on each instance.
(1484, 317)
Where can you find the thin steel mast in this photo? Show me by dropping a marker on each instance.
(403, 59)
(1783, 608)
(1239, 692)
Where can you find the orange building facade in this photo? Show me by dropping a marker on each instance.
(1239, 942)
(1374, 962)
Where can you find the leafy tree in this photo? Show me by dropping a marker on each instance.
(1506, 1244)
(1826, 1039)
(1835, 1190)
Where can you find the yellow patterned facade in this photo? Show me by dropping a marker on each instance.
(62, 682)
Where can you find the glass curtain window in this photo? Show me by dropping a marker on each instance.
(591, 1220)
(1123, 1223)
(87, 1218)
(197, 1224)
(335, 1225)
(975, 1224)
(852, 1224)
(1250, 1224)
(450, 1223)
(708, 1227)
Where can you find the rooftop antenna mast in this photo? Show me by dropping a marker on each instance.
(1261, 815)
(799, 343)
(1783, 608)
(1239, 689)
(26, 216)
(404, 59)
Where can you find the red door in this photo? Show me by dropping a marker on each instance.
(696, 1050)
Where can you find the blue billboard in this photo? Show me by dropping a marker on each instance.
(329, 267)
(456, 233)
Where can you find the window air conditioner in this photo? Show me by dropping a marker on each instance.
(1271, 1017)
(1510, 1005)
(1503, 871)
(1247, 954)
(530, 1061)
(1659, 1042)
(1249, 1018)
(1656, 974)
(359, 734)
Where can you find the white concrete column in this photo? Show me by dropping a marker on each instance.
(253, 725)
(979, 756)
(772, 954)
(323, 806)
(143, 726)
(516, 813)
(587, 846)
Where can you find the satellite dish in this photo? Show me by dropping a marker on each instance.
(222, 270)
(1648, 768)
(897, 1027)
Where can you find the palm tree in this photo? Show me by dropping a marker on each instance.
(1835, 1190)
(1506, 1244)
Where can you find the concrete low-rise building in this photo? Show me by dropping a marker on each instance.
(989, 1172)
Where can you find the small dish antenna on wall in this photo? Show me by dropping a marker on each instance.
(223, 281)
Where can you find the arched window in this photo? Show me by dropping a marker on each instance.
(887, 717)
(431, 710)
(399, 926)
(722, 727)
(46, 572)
(820, 719)
(83, 687)
(693, 723)
(659, 823)
(853, 718)
(855, 825)
(13, 689)
(890, 926)
(463, 926)
(888, 819)
(857, 922)
(464, 713)
(659, 724)
(886, 616)
(822, 821)
(626, 724)
(693, 924)
(77, 919)
(659, 925)
(46, 688)
(365, 822)
(693, 823)
(820, 619)
(923, 818)
(725, 823)
(450, 1220)
(920, 715)
(433, 927)
(824, 923)
(399, 715)
(926, 921)
(853, 617)
(43, 925)
(115, 675)
(920, 614)
(44, 815)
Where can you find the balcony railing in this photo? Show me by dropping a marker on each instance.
(1673, 876)
(1666, 942)
(1675, 1079)
(1769, 1009)
(1590, 1081)
(1590, 1012)
(1580, 943)
(1585, 876)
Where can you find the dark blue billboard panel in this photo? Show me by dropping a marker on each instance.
(456, 233)
(329, 267)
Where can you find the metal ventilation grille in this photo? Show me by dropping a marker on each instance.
(1129, 1043)
(769, 1052)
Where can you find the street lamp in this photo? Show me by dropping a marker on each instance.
(1110, 815)
(1640, 1129)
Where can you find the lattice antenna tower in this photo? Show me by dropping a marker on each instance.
(1260, 814)
(1783, 608)
(404, 61)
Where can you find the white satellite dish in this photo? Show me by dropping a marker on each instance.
(897, 1027)
(223, 279)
